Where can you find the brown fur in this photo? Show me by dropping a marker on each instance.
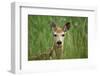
(58, 30)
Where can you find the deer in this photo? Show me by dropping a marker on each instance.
(57, 50)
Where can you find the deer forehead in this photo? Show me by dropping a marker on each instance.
(58, 30)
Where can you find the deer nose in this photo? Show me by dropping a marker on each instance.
(59, 42)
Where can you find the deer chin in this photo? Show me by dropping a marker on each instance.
(59, 46)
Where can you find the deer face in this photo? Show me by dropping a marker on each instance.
(59, 34)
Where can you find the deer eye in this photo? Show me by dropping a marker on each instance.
(63, 35)
(55, 35)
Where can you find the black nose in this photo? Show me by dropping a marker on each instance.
(59, 42)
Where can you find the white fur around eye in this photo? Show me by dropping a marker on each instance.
(55, 35)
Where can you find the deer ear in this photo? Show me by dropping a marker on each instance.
(66, 26)
(53, 26)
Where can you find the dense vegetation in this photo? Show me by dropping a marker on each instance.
(40, 35)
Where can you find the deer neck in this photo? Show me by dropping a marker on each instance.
(58, 51)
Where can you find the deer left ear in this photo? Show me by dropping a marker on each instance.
(66, 26)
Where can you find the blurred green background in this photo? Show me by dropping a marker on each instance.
(40, 37)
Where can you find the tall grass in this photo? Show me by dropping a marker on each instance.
(40, 35)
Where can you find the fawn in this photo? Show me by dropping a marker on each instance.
(56, 52)
(58, 34)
